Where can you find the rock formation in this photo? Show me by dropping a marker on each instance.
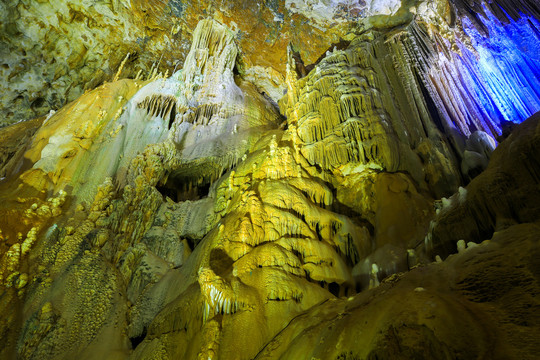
(322, 179)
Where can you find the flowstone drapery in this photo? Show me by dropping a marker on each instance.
(361, 206)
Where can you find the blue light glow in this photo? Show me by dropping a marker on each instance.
(502, 73)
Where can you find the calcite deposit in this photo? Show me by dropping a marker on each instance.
(328, 179)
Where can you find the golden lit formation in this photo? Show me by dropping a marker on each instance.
(329, 179)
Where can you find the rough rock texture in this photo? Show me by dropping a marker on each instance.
(456, 308)
(506, 193)
(482, 303)
(278, 197)
(52, 52)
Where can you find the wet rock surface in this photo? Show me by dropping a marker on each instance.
(311, 179)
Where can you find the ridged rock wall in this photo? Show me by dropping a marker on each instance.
(447, 310)
(480, 74)
(354, 112)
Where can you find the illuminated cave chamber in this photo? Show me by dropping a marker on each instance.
(378, 201)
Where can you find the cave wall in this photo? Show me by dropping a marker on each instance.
(204, 215)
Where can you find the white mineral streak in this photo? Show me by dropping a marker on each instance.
(325, 12)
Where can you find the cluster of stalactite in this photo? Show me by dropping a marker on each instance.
(181, 213)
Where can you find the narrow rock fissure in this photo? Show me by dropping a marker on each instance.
(136, 340)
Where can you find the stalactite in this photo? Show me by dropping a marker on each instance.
(239, 218)
(158, 105)
(478, 88)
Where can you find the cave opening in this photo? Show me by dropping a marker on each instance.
(172, 115)
(136, 340)
(179, 186)
(184, 191)
(220, 262)
(334, 288)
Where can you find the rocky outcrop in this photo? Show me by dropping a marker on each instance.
(454, 309)
(506, 193)
(491, 274)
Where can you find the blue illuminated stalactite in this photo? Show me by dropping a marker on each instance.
(504, 68)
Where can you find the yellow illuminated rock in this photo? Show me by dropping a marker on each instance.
(307, 183)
